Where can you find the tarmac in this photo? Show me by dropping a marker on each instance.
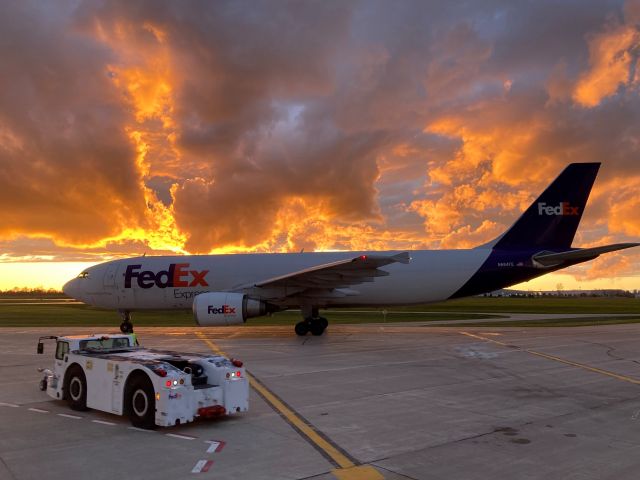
(361, 402)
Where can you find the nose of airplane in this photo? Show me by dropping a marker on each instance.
(71, 289)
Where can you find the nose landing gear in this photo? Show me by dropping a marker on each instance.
(126, 326)
(312, 322)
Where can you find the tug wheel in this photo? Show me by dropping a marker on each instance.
(141, 403)
(75, 388)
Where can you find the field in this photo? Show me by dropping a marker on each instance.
(34, 315)
(23, 312)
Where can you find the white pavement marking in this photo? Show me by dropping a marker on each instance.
(12, 405)
(215, 445)
(102, 422)
(141, 430)
(202, 466)
(38, 410)
(183, 437)
(66, 415)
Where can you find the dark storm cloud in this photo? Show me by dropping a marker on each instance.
(67, 167)
(252, 100)
(263, 120)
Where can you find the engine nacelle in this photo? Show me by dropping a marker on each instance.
(223, 308)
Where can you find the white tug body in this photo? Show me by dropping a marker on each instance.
(113, 374)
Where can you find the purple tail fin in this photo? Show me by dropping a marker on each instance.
(552, 220)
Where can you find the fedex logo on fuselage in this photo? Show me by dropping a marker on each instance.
(564, 208)
(224, 310)
(177, 275)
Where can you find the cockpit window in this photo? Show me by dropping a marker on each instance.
(84, 275)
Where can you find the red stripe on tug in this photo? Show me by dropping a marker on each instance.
(212, 411)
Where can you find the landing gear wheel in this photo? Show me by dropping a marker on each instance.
(126, 327)
(317, 327)
(141, 403)
(312, 322)
(75, 388)
(302, 328)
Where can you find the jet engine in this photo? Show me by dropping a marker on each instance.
(224, 308)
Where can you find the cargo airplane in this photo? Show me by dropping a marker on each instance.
(229, 289)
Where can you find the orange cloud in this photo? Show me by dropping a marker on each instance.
(624, 207)
(611, 64)
(468, 237)
(250, 126)
(610, 265)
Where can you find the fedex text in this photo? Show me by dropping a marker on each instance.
(564, 208)
(222, 310)
(177, 275)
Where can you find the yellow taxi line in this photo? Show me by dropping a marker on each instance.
(583, 366)
(348, 469)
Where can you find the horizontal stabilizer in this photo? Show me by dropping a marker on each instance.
(549, 259)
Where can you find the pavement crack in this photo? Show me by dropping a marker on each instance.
(7, 468)
(429, 447)
(317, 475)
(394, 472)
(610, 354)
(499, 429)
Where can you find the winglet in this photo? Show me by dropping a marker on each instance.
(403, 257)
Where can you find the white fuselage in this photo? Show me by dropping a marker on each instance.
(538, 242)
(431, 275)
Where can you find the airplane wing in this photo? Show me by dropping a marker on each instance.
(549, 259)
(328, 280)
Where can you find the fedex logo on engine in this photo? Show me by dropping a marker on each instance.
(177, 275)
(562, 209)
(222, 310)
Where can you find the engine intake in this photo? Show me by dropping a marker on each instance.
(223, 308)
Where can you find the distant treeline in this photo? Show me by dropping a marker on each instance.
(22, 292)
(564, 293)
(25, 292)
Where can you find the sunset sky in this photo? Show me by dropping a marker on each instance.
(193, 127)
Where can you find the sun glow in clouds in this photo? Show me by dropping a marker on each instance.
(244, 127)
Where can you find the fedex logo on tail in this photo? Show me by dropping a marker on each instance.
(177, 275)
(564, 209)
(224, 310)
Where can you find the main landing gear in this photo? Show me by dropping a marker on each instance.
(126, 326)
(312, 322)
